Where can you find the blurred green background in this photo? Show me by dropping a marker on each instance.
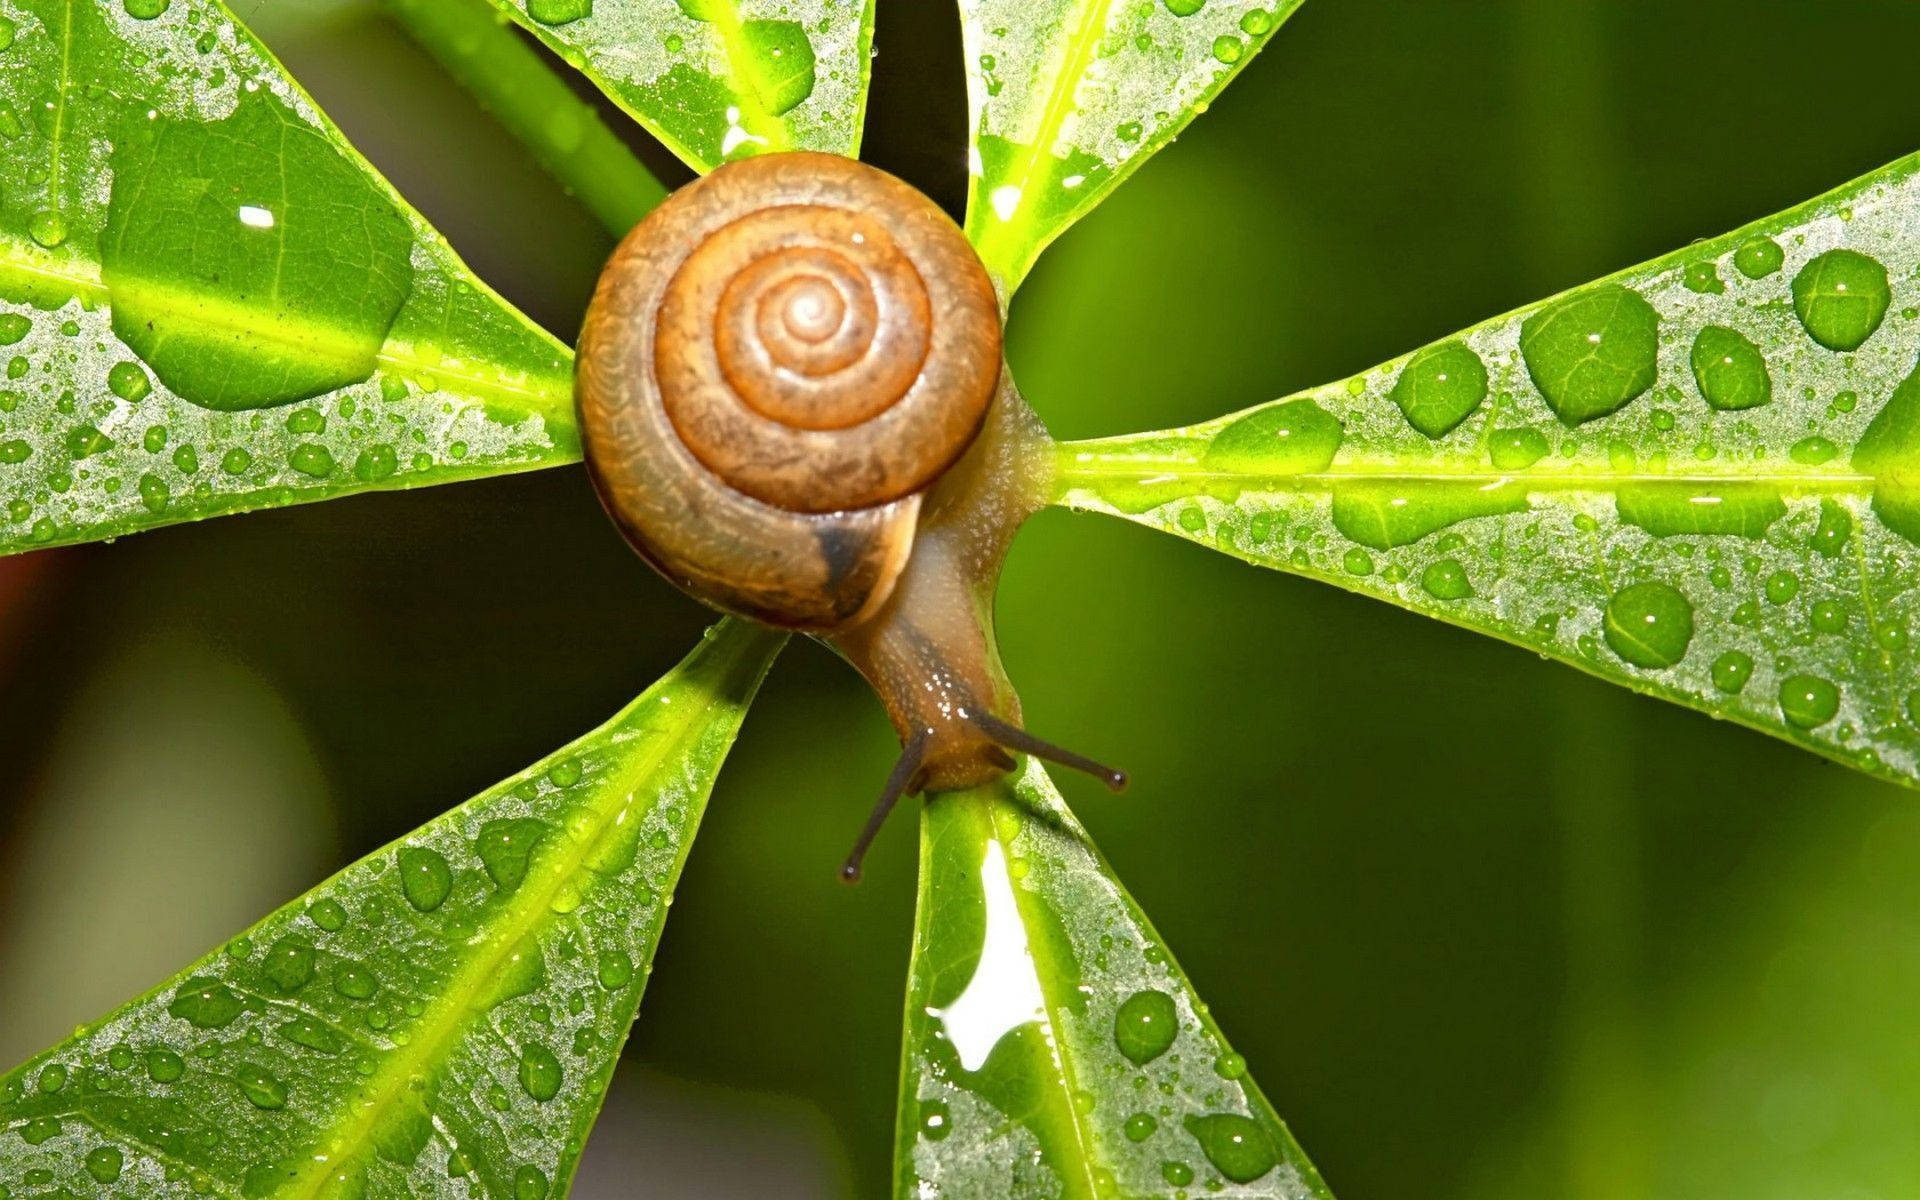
(1481, 925)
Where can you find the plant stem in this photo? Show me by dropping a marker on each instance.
(565, 135)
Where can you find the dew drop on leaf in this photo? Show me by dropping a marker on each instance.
(355, 981)
(1730, 370)
(1446, 580)
(1808, 701)
(1592, 352)
(328, 915)
(558, 12)
(1237, 1146)
(1178, 1174)
(529, 1183)
(1759, 258)
(425, 878)
(539, 1072)
(307, 1032)
(205, 1003)
(1732, 670)
(936, 1120)
(164, 1066)
(289, 963)
(1439, 387)
(1649, 624)
(1145, 1025)
(260, 1086)
(1296, 437)
(1836, 526)
(615, 969)
(104, 1163)
(1841, 297)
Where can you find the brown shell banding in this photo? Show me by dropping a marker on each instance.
(744, 406)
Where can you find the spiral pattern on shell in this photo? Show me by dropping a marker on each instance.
(779, 361)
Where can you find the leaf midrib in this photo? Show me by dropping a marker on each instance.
(445, 1021)
(20, 262)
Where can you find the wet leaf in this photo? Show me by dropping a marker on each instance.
(442, 1017)
(210, 303)
(720, 79)
(1068, 97)
(1699, 478)
(1053, 1046)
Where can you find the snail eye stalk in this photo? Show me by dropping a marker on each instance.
(1015, 738)
(898, 782)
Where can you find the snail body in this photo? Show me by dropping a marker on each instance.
(793, 403)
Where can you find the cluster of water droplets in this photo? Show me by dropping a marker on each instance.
(1700, 475)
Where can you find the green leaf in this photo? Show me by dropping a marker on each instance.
(444, 1014)
(1699, 478)
(1069, 97)
(210, 303)
(478, 47)
(1053, 1047)
(720, 79)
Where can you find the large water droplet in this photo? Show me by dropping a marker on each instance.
(559, 12)
(1649, 624)
(305, 1031)
(289, 963)
(1669, 509)
(539, 1072)
(505, 846)
(1836, 525)
(327, 914)
(1294, 437)
(164, 1066)
(1841, 297)
(1759, 257)
(1516, 449)
(355, 981)
(1446, 580)
(1730, 370)
(529, 1183)
(1808, 701)
(780, 64)
(292, 288)
(205, 1003)
(1383, 514)
(1592, 352)
(104, 1163)
(1238, 1147)
(425, 878)
(260, 1086)
(1145, 1025)
(1440, 386)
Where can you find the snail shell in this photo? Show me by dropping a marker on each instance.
(778, 364)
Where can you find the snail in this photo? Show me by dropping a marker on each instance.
(793, 404)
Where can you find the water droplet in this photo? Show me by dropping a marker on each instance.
(529, 1183)
(1237, 1146)
(1185, 8)
(1703, 278)
(1384, 514)
(236, 461)
(1294, 437)
(1836, 525)
(1357, 561)
(104, 1163)
(780, 64)
(354, 981)
(1145, 1026)
(47, 227)
(1812, 451)
(558, 12)
(1256, 21)
(164, 1066)
(1732, 670)
(936, 1121)
(1228, 49)
(375, 463)
(1669, 509)
(1759, 257)
(205, 1003)
(1230, 1066)
(305, 1031)
(15, 450)
(1828, 616)
(327, 914)
(565, 773)
(1808, 701)
(85, 441)
(1730, 370)
(260, 1086)
(38, 1130)
(120, 1057)
(300, 322)
(1439, 387)
(1649, 625)
(311, 458)
(425, 877)
(1140, 1126)
(13, 327)
(539, 1072)
(1781, 586)
(1446, 580)
(615, 969)
(289, 963)
(505, 846)
(53, 1077)
(1592, 352)
(1178, 1174)
(145, 10)
(1841, 297)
